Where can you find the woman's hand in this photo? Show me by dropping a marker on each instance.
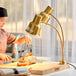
(5, 57)
(28, 39)
(24, 58)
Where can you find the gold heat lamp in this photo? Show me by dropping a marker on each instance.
(34, 27)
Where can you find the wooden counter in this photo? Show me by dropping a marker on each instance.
(39, 68)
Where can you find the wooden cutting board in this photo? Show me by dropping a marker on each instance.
(45, 68)
(39, 68)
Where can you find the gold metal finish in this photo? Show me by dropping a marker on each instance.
(45, 17)
(60, 27)
(63, 61)
(45, 14)
(37, 19)
(57, 33)
(34, 27)
(48, 10)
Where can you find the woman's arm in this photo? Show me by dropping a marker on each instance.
(23, 39)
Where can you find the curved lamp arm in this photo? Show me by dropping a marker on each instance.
(60, 27)
(61, 42)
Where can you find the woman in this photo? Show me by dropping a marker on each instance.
(7, 38)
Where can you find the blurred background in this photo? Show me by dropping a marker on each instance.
(21, 12)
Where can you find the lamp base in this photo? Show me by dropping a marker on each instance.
(47, 67)
(62, 62)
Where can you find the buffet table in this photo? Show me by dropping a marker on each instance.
(54, 72)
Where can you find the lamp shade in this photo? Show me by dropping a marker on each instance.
(45, 14)
(34, 27)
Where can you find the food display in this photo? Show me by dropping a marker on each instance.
(28, 59)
